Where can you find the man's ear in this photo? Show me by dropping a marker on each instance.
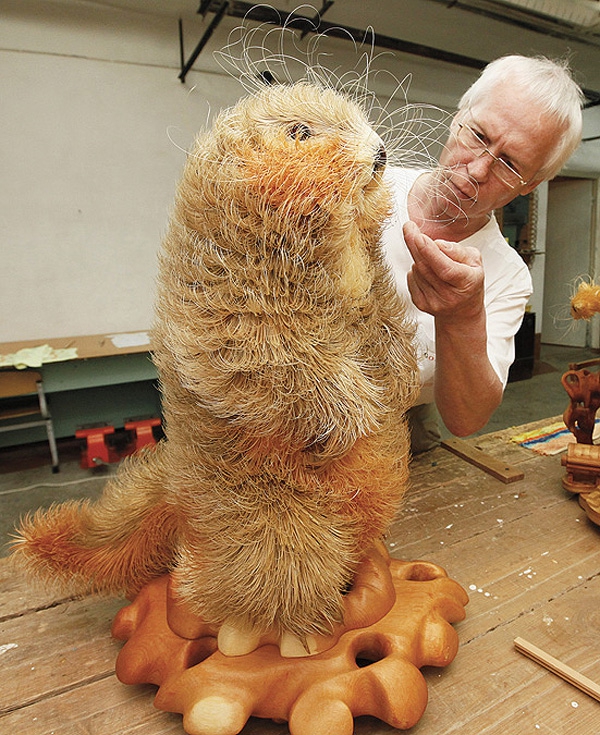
(528, 188)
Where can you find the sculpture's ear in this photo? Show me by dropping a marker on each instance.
(267, 77)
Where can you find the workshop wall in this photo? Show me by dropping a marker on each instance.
(95, 125)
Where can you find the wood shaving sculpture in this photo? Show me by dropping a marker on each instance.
(286, 364)
(583, 387)
(585, 302)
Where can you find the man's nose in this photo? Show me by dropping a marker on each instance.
(479, 167)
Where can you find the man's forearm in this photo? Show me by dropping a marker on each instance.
(467, 388)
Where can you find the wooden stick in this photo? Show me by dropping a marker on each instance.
(557, 667)
(471, 453)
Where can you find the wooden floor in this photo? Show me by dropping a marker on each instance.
(525, 552)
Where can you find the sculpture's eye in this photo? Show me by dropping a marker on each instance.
(299, 131)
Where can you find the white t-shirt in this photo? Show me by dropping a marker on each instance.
(507, 286)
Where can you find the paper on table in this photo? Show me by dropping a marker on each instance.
(132, 339)
(34, 357)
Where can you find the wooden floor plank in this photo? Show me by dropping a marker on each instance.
(57, 648)
(437, 514)
(503, 683)
(18, 597)
(100, 706)
(525, 552)
(108, 707)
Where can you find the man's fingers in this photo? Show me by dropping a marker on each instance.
(420, 291)
(458, 253)
(440, 253)
(445, 277)
(428, 258)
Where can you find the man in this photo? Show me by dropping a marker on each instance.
(514, 128)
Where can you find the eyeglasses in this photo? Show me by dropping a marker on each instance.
(471, 139)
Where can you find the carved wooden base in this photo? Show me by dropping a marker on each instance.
(590, 502)
(582, 462)
(371, 670)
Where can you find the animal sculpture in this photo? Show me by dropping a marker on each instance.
(585, 302)
(286, 366)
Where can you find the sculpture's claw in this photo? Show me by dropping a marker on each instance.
(291, 646)
(237, 639)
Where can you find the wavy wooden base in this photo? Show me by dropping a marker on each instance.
(372, 670)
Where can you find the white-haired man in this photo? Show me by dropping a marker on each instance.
(515, 127)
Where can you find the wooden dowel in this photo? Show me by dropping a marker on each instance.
(557, 667)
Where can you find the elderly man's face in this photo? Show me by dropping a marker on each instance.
(513, 130)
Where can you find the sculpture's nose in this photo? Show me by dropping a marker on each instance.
(380, 159)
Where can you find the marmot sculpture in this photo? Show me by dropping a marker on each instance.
(286, 364)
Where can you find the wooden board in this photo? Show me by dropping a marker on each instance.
(475, 455)
(525, 552)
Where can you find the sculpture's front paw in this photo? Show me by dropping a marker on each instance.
(237, 638)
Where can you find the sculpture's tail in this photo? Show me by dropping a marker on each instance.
(113, 546)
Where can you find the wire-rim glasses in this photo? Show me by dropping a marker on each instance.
(471, 139)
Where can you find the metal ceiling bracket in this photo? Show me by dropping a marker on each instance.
(187, 65)
(268, 14)
(317, 19)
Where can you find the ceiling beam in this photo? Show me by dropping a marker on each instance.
(522, 17)
(269, 14)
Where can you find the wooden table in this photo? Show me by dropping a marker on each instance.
(111, 379)
(88, 345)
(525, 552)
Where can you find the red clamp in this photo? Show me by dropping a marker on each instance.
(97, 451)
(143, 432)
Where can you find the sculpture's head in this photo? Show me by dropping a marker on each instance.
(289, 160)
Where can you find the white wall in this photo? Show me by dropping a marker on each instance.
(92, 129)
(90, 100)
(586, 159)
(569, 257)
(94, 120)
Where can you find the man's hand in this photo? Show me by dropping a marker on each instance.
(446, 279)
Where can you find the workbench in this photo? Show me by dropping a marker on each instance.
(524, 551)
(111, 378)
